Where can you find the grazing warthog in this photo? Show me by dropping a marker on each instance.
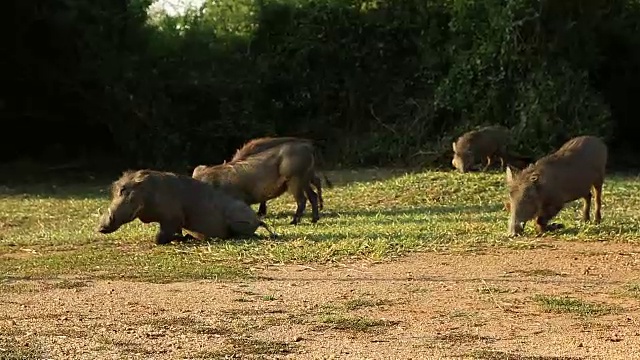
(541, 190)
(177, 202)
(485, 143)
(261, 144)
(266, 175)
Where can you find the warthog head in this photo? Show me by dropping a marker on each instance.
(199, 169)
(524, 198)
(462, 159)
(127, 200)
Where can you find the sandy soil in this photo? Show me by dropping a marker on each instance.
(424, 306)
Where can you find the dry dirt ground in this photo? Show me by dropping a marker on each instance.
(463, 305)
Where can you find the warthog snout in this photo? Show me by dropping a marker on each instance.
(107, 224)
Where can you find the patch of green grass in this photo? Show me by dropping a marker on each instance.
(22, 287)
(11, 349)
(70, 284)
(501, 355)
(358, 303)
(19, 288)
(461, 337)
(632, 290)
(353, 323)
(249, 346)
(125, 345)
(495, 290)
(242, 347)
(48, 231)
(457, 313)
(161, 264)
(564, 304)
(269, 297)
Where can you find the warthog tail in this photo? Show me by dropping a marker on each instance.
(327, 181)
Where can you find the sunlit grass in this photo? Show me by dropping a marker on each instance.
(47, 231)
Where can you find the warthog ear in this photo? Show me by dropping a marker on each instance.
(510, 175)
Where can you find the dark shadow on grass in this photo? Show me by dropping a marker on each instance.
(59, 190)
(409, 211)
(368, 175)
(577, 228)
(95, 184)
(195, 243)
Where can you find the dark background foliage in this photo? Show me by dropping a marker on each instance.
(373, 82)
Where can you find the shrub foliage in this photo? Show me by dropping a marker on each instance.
(373, 82)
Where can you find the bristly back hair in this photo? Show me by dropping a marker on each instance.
(129, 176)
(258, 145)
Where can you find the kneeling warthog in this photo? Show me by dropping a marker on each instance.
(177, 202)
(485, 143)
(541, 190)
(262, 144)
(267, 175)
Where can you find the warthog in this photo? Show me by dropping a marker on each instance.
(485, 143)
(267, 175)
(177, 202)
(261, 144)
(541, 190)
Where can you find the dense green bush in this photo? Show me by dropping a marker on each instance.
(374, 82)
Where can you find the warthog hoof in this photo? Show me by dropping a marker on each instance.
(185, 238)
(554, 226)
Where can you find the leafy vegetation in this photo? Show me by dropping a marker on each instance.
(375, 82)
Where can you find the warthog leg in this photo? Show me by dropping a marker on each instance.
(542, 222)
(167, 233)
(313, 199)
(598, 198)
(586, 208)
(262, 209)
(315, 180)
(301, 201)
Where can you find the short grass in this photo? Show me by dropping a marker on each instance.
(48, 230)
(569, 305)
(11, 349)
(501, 355)
(239, 348)
(353, 323)
(633, 290)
